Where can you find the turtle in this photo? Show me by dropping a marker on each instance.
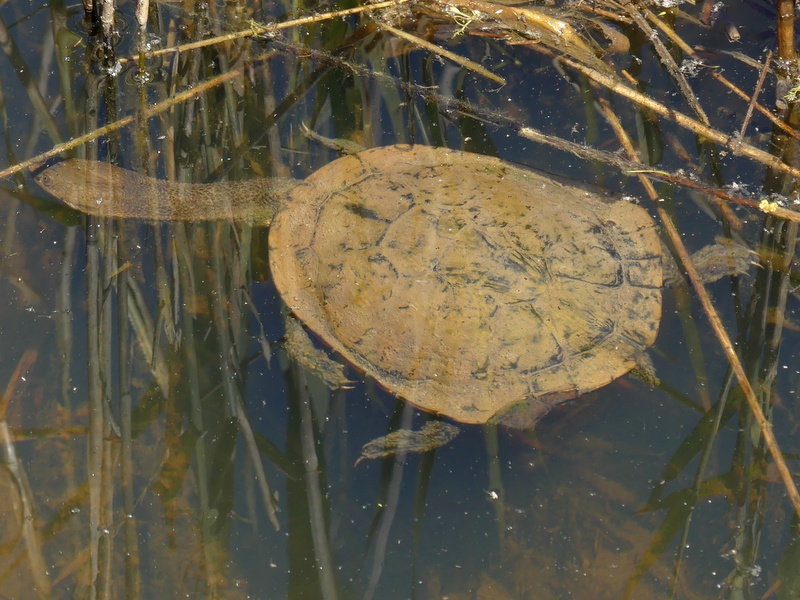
(468, 286)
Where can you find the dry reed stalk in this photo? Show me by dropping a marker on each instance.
(756, 92)
(142, 9)
(785, 11)
(667, 61)
(438, 50)
(729, 141)
(258, 29)
(689, 51)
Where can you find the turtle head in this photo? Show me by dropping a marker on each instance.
(94, 188)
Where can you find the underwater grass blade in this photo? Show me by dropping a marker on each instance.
(316, 505)
(222, 318)
(96, 409)
(255, 457)
(698, 491)
(699, 441)
(692, 336)
(24, 73)
(27, 513)
(202, 456)
(495, 482)
(145, 333)
(421, 490)
(389, 510)
(133, 581)
(673, 522)
(680, 507)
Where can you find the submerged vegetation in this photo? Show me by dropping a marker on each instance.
(175, 442)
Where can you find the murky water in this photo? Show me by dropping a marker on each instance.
(157, 442)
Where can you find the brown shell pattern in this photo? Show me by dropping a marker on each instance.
(465, 285)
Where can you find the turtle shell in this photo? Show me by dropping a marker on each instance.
(465, 285)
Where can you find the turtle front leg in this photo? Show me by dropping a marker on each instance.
(302, 350)
(712, 262)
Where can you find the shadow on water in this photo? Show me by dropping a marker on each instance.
(158, 441)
